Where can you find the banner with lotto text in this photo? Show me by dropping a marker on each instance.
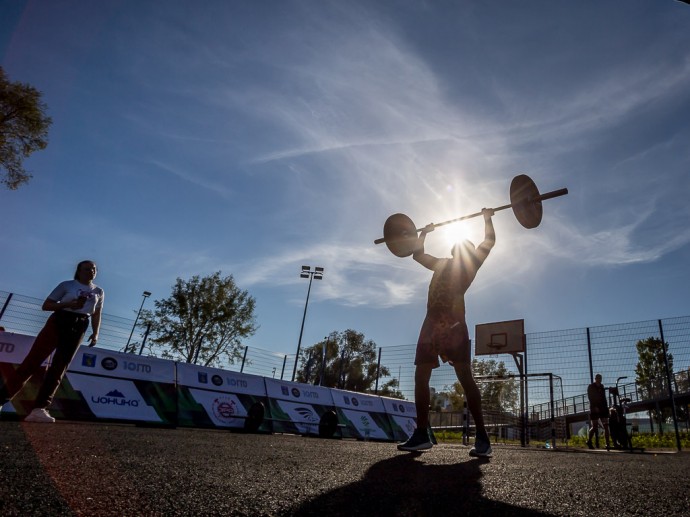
(297, 408)
(105, 385)
(363, 416)
(210, 397)
(118, 386)
(402, 415)
(99, 384)
(14, 347)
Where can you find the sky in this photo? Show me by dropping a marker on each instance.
(253, 138)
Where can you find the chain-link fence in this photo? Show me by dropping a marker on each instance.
(23, 315)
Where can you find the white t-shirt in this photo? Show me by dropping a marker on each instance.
(70, 290)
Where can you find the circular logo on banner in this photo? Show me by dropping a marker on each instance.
(109, 363)
(355, 402)
(295, 393)
(224, 409)
(217, 380)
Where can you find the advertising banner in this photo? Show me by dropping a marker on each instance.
(402, 415)
(108, 398)
(98, 361)
(104, 384)
(14, 347)
(99, 384)
(363, 415)
(298, 408)
(209, 397)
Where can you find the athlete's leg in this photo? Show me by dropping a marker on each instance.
(43, 345)
(463, 370)
(422, 396)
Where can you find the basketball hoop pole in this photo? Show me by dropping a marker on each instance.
(523, 410)
(508, 337)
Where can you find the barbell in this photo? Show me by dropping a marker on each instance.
(400, 232)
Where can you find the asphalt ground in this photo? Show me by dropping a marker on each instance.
(71, 468)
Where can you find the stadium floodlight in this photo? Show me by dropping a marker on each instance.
(145, 294)
(307, 272)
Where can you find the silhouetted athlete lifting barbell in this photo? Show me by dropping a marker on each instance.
(444, 331)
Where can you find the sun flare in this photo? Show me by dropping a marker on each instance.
(455, 233)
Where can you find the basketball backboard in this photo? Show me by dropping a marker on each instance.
(503, 337)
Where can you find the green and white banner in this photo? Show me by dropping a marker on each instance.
(210, 397)
(110, 398)
(364, 416)
(118, 386)
(106, 363)
(99, 384)
(402, 415)
(105, 385)
(297, 408)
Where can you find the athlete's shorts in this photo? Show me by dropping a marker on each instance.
(445, 337)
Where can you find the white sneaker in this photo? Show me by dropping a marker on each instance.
(39, 415)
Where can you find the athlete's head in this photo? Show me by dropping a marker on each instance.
(465, 247)
(87, 268)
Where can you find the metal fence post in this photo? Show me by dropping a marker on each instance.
(244, 358)
(526, 392)
(553, 416)
(146, 335)
(589, 353)
(7, 302)
(378, 371)
(323, 362)
(591, 380)
(670, 385)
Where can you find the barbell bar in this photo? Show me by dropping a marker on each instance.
(400, 232)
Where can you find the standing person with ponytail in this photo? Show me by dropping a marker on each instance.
(72, 304)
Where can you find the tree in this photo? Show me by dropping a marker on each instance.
(650, 374)
(23, 128)
(203, 320)
(500, 395)
(351, 363)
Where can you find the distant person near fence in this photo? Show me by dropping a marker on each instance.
(72, 303)
(598, 410)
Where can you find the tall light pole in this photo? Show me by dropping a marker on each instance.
(307, 272)
(145, 294)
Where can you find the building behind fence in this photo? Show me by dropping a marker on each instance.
(568, 359)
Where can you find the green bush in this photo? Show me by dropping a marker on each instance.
(640, 441)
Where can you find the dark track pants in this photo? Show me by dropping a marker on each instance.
(63, 332)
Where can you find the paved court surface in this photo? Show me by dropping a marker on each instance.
(102, 469)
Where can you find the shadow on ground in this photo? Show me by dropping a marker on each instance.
(406, 485)
(27, 488)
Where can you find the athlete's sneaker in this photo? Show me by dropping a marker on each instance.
(39, 415)
(590, 444)
(481, 449)
(419, 441)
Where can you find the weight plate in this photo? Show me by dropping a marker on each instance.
(400, 234)
(526, 206)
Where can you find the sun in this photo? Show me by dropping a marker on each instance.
(454, 233)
